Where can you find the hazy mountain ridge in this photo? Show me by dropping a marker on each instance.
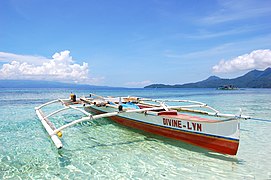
(43, 84)
(252, 79)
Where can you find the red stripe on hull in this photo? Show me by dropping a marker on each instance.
(216, 144)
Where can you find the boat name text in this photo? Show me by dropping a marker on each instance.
(177, 123)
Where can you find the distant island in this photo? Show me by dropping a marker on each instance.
(44, 84)
(252, 79)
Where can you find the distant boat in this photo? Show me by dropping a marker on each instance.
(227, 87)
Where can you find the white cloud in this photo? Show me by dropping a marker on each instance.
(233, 10)
(60, 68)
(258, 59)
(217, 52)
(205, 34)
(138, 84)
(9, 57)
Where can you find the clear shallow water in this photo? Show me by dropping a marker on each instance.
(105, 150)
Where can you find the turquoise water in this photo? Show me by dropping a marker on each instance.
(105, 150)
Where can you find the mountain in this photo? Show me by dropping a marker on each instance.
(252, 79)
(42, 84)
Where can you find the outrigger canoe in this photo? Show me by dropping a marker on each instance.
(192, 122)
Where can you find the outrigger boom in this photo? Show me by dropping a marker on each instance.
(53, 131)
(144, 114)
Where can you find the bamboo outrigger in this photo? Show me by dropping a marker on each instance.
(209, 129)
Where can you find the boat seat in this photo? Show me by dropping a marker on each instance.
(143, 106)
(165, 113)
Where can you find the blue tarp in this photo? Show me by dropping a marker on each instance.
(130, 105)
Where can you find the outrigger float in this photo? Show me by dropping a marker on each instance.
(192, 122)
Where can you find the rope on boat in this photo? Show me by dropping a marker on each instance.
(259, 119)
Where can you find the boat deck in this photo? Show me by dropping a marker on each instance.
(167, 114)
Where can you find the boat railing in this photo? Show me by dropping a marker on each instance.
(191, 107)
(55, 133)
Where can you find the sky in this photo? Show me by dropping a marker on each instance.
(133, 43)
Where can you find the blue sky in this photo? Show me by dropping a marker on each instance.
(133, 43)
